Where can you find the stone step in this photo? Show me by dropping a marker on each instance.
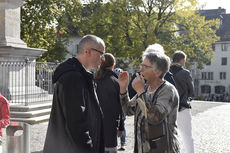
(32, 107)
(16, 93)
(33, 120)
(30, 114)
(29, 95)
(32, 101)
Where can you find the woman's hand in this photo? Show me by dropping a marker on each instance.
(123, 80)
(138, 84)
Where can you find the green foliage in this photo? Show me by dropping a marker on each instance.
(38, 28)
(127, 27)
(56, 53)
(196, 37)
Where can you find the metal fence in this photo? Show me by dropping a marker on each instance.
(26, 82)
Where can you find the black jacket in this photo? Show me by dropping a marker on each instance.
(75, 124)
(168, 77)
(184, 84)
(108, 91)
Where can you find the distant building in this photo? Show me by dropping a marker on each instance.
(213, 82)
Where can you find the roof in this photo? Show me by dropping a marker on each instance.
(220, 13)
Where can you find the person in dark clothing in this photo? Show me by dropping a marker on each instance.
(108, 92)
(185, 88)
(168, 76)
(75, 124)
(123, 136)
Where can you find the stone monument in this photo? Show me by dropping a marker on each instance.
(13, 50)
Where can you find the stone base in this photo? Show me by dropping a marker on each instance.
(10, 41)
(9, 53)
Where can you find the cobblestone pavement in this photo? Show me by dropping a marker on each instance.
(211, 123)
(211, 130)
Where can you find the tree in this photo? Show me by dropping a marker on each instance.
(38, 28)
(196, 37)
(127, 27)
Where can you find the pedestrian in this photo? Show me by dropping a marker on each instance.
(185, 87)
(108, 92)
(155, 106)
(75, 124)
(123, 136)
(168, 76)
(4, 117)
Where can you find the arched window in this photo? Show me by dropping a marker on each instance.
(219, 89)
(205, 89)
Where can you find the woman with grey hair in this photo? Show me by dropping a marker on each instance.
(156, 48)
(155, 106)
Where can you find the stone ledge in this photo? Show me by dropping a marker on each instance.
(33, 120)
(29, 114)
(22, 108)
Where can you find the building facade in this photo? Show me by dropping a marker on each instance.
(213, 81)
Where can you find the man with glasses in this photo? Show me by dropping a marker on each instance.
(75, 124)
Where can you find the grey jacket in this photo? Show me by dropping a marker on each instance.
(155, 119)
(184, 84)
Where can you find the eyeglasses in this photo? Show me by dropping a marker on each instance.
(101, 53)
(145, 66)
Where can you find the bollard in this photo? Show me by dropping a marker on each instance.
(18, 138)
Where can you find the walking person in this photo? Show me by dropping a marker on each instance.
(4, 117)
(123, 136)
(155, 106)
(108, 92)
(75, 124)
(184, 85)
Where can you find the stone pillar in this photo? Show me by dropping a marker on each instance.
(10, 23)
(13, 49)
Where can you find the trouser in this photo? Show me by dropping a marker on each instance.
(123, 137)
(184, 122)
(0, 148)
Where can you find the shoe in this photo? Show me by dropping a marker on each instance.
(121, 149)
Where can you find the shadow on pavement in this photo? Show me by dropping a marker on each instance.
(37, 152)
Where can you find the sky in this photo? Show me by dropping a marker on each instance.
(214, 4)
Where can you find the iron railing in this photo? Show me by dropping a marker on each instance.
(26, 82)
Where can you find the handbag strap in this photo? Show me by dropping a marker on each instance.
(156, 92)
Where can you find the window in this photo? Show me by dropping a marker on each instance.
(207, 75)
(203, 75)
(222, 75)
(219, 89)
(224, 61)
(205, 89)
(210, 76)
(224, 47)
